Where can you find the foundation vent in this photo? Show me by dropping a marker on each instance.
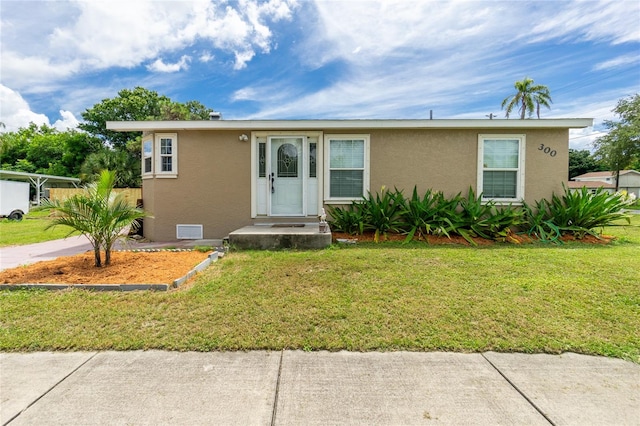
(189, 232)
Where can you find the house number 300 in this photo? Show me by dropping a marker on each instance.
(547, 150)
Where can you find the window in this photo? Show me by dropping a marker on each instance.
(262, 159)
(287, 161)
(348, 166)
(167, 154)
(501, 167)
(147, 157)
(312, 159)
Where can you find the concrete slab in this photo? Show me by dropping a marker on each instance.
(26, 377)
(156, 387)
(573, 389)
(397, 388)
(280, 236)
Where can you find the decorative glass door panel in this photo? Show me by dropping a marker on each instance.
(286, 176)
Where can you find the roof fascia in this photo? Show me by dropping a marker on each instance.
(562, 123)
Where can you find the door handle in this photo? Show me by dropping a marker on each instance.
(273, 179)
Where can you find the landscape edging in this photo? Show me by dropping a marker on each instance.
(212, 257)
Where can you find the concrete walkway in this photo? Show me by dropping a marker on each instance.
(13, 256)
(316, 388)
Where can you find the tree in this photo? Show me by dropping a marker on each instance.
(527, 96)
(620, 147)
(99, 213)
(43, 149)
(581, 162)
(126, 166)
(122, 149)
(139, 104)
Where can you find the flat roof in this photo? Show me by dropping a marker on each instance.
(555, 123)
(29, 176)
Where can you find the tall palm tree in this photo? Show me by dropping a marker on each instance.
(528, 96)
(99, 213)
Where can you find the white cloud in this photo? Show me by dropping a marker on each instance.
(617, 62)
(67, 122)
(160, 66)
(16, 113)
(95, 35)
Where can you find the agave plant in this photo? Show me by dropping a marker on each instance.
(382, 212)
(349, 219)
(582, 212)
(539, 223)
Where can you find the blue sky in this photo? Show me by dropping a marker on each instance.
(288, 59)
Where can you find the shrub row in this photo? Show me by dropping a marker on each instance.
(577, 213)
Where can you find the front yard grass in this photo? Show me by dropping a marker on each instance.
(31, 229)
(530, 298)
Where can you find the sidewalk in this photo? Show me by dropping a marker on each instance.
(316, 388)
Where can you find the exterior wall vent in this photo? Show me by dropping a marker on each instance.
(189, 232)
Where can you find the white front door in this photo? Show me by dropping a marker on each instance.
(286, 176)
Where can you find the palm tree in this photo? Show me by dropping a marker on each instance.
(527, 95)
(99, 213)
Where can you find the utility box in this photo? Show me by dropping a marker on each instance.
(14, 199)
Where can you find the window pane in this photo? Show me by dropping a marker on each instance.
(346, 183)
(499, 184)
(287, 161)
(346, 154)
(167, 164)
(146, 148)
(262, 162)
(312, 159)
(501, 154)
(165, 146)
(147, 165)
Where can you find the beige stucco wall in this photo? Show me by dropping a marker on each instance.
(447, 160)
(213, 187)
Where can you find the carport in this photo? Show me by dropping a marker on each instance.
(38, 180)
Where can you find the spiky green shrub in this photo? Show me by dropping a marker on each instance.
(431, 214)
(539, 224)
(382, 212)
(484, 218)
(349, 219)
(581, 212)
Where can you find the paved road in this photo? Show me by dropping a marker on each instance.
(316, 388)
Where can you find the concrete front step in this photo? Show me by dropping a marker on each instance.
(279, 236)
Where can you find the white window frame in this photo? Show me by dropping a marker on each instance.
(174, 155)
(520, 170)
(327, 166)
(145, 157)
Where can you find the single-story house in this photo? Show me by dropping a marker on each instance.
(629, 181)
(207, 178)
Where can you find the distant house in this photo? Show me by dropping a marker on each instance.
(629, 181)
(204, 179)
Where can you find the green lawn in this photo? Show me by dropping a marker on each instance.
(529, 298)
(31, 229)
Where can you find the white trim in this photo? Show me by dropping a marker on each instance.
(327, 171)
(265, 136)
(338, 125)
(174, 155)
(522, 144)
